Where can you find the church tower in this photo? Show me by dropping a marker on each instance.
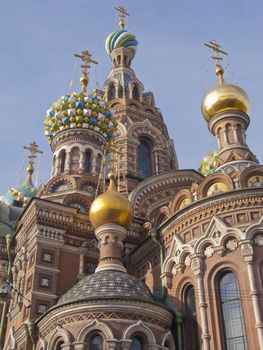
(143, 145)
(225, 109)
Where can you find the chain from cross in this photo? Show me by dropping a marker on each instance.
(213, 45)
(85, 56)
(33, 151)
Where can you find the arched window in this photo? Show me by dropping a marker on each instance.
(190, 324)
(111, 93)
(136, 93)
(62, 160)
(96, 343)
(59, 345)
(231, 310)
(137, 343)
(144, 159)
(74, 164)
(87, 162)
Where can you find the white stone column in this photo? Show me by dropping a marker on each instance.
(156, 163)
(80, 345)
(81, 265)
(225, 136)
(93, 164)
(81, 161)
(111, 344)
(67, 161)
(247, 252)
(198, 269)
(126, 344)
(234, 127)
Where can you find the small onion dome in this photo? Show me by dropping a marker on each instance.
(80, 110)
(224, 97)
(208, 165)
(20, 196)
(111, 208)
(120, 38)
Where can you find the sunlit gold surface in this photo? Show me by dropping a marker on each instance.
(111, 207)
(222, 98)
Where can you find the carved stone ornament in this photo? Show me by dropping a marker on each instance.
(197, 265)
(247, 249)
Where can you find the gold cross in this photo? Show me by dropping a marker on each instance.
(85, 56)
(213, 45)
(33, 150)
(217, 50)
(122, 14)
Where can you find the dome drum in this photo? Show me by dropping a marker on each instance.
(67, 137)
(232, 115)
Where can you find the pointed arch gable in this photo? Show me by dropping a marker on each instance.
(254, 228)
(142, 328)
(95, 326)
(60, 333)
(145, 128)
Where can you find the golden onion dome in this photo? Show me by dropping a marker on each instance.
(111, 207)
(224, 97)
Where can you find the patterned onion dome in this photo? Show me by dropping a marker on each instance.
(107, 285)
(208, 165)
(22, 195)
(121, 38)
(80, 110)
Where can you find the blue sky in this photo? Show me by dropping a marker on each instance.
(38, 39)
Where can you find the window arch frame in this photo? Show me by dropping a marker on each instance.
(220, 308)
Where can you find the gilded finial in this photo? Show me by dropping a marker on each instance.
(122, 14)
(33, 150)
(213, 45)
(85, 56)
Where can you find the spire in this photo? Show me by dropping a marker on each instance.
(213, 45)
(122, 14)
(85, 56)
(33, 151)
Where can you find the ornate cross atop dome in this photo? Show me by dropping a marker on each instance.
(213, 45)
(122, 14)
(85, 56)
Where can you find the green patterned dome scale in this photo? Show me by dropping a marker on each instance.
(208, 165)
(80, 110)
(120, 38)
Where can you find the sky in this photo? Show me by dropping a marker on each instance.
(38, 39)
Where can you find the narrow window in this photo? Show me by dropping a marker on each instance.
(144, 159)
(190, 324)
(87, 162)
(135, 93)
(96, 343)
(62, 161)
(137, 344)
(59, 345)
(232, 318)
(111, 94)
